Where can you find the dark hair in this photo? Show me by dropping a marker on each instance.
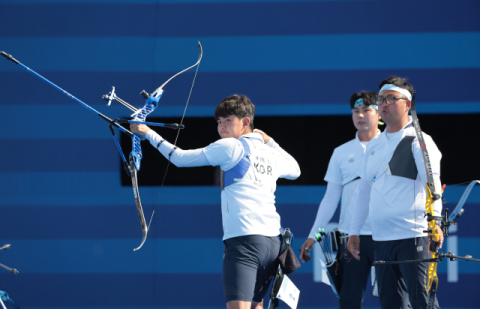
(238, 105)
(367, 96)
(397, 81)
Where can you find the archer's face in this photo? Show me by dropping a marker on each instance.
(230, 126)
(365, 118)
(392, 113)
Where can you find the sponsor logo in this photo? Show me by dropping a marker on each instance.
(419, 248)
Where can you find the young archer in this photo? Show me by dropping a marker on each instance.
(342, 179)
(251, 162)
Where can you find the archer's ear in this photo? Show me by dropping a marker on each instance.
(246, 121)
(409, 105)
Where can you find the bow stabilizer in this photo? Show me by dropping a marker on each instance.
(458, 211)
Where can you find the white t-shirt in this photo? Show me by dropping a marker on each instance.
(342, 173)
(248, 205)
(396, 205)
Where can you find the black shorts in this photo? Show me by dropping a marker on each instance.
(249, 263)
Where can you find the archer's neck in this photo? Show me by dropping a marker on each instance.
(366, 136)
(394, 127)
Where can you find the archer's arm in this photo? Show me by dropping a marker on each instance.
(226, 152)
(324, 214)
(361, 209)
(179, 157)
(360, 212)
(332, 196)
(327, 207)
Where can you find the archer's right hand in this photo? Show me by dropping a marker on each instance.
(353, 246)
(265, 137)
(306, 247)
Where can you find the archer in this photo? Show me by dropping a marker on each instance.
(392, 190)
(251, 162)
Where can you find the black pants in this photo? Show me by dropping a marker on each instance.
(249, 263)
(355, 274)
(400, 283)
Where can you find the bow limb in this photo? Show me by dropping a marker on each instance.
(200, 55)
(132, 172)
(136, 154)
(458, 211)
(136, 193)
(150, 105)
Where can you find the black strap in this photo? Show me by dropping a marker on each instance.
(173, 150)
(160, 143)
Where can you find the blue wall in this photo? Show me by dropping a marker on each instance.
(72, 225)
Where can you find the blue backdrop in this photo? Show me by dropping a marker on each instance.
(72, 225)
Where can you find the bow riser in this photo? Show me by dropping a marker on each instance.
(433, 248)
(141, 115)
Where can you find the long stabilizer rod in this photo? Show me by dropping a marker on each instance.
(112, 122)
(175, 126)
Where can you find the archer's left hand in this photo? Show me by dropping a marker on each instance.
(440, 236)
(139, 129)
